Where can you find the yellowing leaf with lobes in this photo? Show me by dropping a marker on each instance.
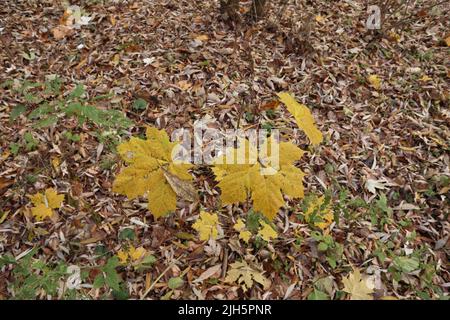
(148, 161)
(237, 180)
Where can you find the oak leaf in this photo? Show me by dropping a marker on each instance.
(236, 180)
(148, 160)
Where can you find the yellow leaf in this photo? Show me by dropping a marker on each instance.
(244, 275)
(394, 36)
(202, 37)
(45, 202)
(123, 256)
(319, 18)
(55, 162)
(374, 81)
(54, 200)
(266, 232)
(357, 286)
(206, 225)
(137, 253)
(323, 217)
(237, 180)
(425, 78)
(147, 160)
(303, 117)
(447, 41)
(243, 234)
(116, 59)
(3, 216)
(239, 225)
(41, 211)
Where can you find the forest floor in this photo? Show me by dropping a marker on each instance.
(381, 102)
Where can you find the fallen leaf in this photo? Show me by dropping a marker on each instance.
(184, 189)
(60, 32)
(267, 233)
(206, 225)
(245, 275)
(208, 273)
(357, 286)
(303, 117)
(147, 160)
(374, 81)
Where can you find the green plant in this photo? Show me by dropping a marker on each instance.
(333, 250)
(34, 276)
(46, 103)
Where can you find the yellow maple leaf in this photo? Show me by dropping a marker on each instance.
(243, 233)
(267, 232)
(206, 225)
(239, 225)
(323, 217)
(44, 203)
(236, 180)
(357, 286)
(147, 160)
(41, 211)
(303, 117)
(245, 275)
(133, 254)
(374, 81)
(123, 256)
(136, 253)
(447, 41)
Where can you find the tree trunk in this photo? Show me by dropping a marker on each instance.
(230, 9)
(258, 9)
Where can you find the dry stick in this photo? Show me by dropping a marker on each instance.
(156, 280)
(225, 262)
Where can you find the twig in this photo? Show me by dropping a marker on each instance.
(156, 281)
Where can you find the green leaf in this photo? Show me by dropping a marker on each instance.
(42, 110)
(47, 122)
(77, 92)
(14, 147)
(127, 234)
(99, 281)
(318, 295)
(140, 104)
(406, 264)
(17, 111)
(175, 283)
(322, 246)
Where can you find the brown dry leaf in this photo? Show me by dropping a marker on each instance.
(60, 32)
(5, 183)
(272, 105)
(183, 188)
